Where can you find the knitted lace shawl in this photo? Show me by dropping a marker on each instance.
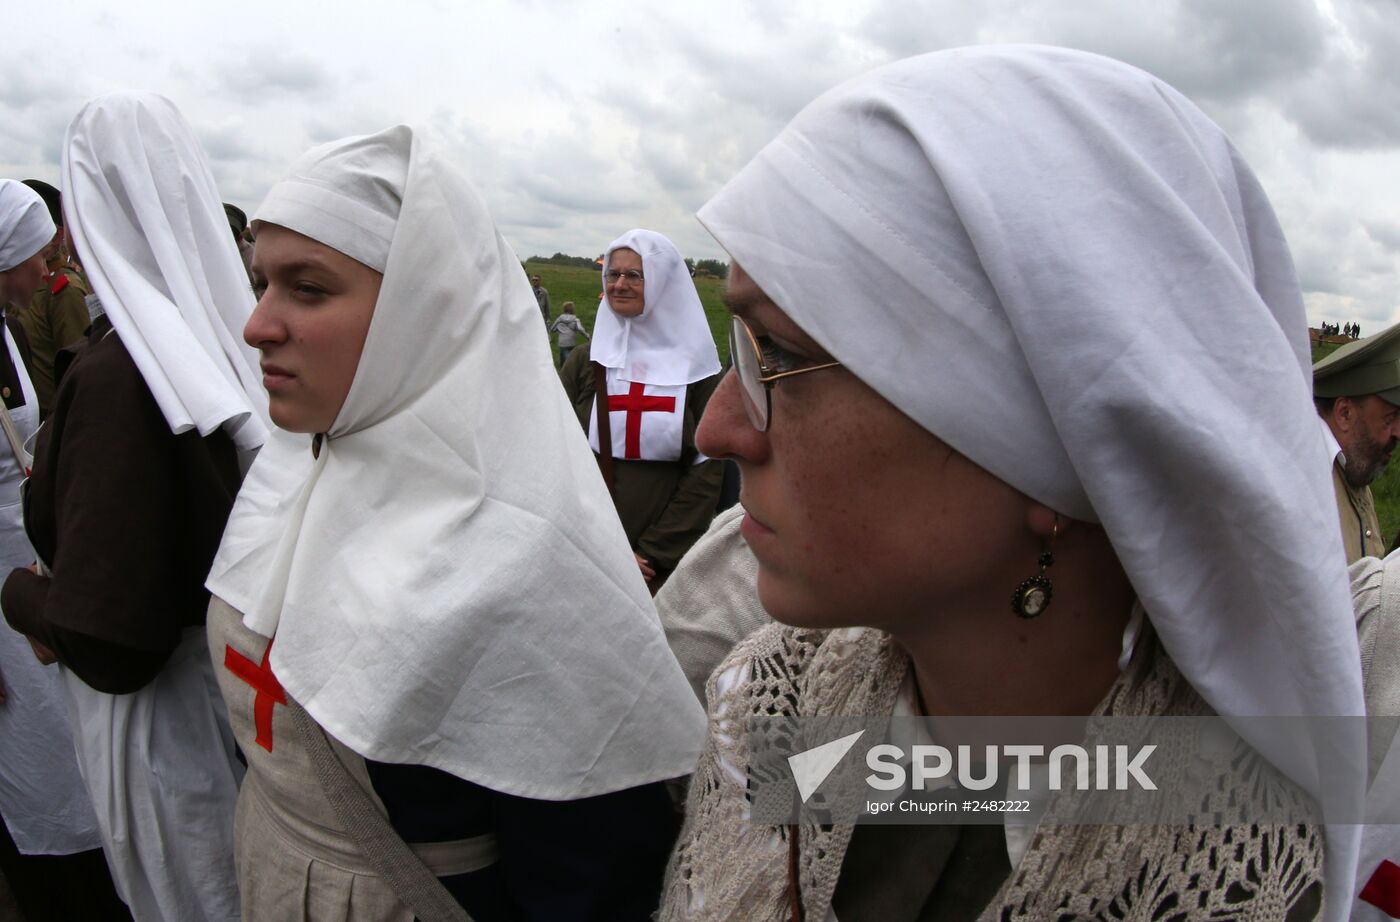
(728, 868)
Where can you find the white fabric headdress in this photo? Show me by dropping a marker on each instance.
(447, 581)
(150, 228)
(1060, 267)
(25, 225)
(670, 343)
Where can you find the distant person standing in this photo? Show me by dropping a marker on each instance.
(1357, 393)
(57, 315)
(541, 297)
(653, 349)
(568, 326)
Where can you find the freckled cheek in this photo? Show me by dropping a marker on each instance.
(882, 495)
(830, 482)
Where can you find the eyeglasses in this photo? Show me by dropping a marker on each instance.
(632, 276)
(755, 377)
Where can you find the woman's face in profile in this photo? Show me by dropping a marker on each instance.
(314, 309)
(627, 298)
(857, 515)
(17, 285)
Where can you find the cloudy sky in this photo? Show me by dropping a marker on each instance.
(580, 120)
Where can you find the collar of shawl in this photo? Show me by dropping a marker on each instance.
(726, 867)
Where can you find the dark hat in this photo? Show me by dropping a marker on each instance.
(1367, 366)
(51, 198)
(237, 220)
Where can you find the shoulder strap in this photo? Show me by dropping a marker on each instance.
(412, 882)
(600, 402)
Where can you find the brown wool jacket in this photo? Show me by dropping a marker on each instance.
(127, 516)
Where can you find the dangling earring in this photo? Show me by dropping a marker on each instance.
(1032, 597)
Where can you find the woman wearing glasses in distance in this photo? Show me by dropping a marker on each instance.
(1020, 372)
(661, 365)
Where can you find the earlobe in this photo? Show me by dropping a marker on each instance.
(1043, 522)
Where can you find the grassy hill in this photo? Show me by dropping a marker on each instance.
(583, 286)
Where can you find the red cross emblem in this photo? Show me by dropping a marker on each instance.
(635, 403)
(1383, 889)
(269, 690)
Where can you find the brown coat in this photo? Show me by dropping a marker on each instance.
(128, 517)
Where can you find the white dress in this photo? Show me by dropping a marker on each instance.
(42, 799)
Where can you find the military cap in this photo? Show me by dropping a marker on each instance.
(51, 198)
(237, 220)
(1367, 366)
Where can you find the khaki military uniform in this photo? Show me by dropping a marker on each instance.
(56, 317)
(1361, 530)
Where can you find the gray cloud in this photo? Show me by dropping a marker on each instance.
(1385, 233)
(615, 116)
(256, 72)
(22, 87)
(1206, 49)
(226, 143)
(1354, 99)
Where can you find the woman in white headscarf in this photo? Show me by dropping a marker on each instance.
(424, 607)
(134, 476)
(655, 349)
(968, 294)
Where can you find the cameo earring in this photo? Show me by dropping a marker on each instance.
(1032, 597)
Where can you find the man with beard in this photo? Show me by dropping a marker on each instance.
(1357, 393)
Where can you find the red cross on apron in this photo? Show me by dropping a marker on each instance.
(635, 403)
(1383, 889)
(269, 690)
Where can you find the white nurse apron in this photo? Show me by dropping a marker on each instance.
(162, 771)
(42, 798)
(161, 768)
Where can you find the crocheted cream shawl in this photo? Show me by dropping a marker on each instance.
(728, 868)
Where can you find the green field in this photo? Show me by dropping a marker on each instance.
(582, 286)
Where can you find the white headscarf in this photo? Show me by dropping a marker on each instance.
(670, 343)
(448, 582)
(150, 227)
(1060, 267)
(25, 225)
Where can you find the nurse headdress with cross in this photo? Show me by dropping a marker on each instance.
(654, 341)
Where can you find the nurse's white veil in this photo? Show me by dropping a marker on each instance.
(447, 581)
(1076, 245)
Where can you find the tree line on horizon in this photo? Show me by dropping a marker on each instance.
(706, 267)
